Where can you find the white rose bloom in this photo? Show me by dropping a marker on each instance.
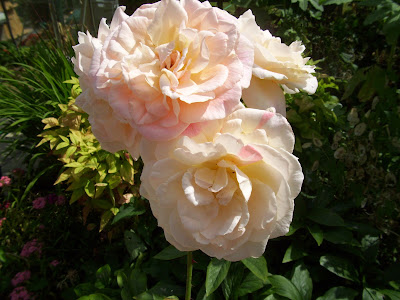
(227, 186)
(275, 65)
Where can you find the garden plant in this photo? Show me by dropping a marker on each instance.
(302, 155)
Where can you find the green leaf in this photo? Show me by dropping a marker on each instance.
(169, 253)
(339, 235)
(127, 172)
(63, 176)
(303, 4)
(62, 145)
(133, 244)
(391, 29)
(96, 296)
(317, 233)
(371, 294)
(89, 189)
(258, 266)
(74, 165)
(393, 295)
(293, 252)
(216, 273)
(112, 164)
(166, 289)
(283, 287)
(103, 274)
(122, 279)
(203, 296)
(127, 211)
(339, 293)
(137, 283)
(148, 296)
(125, 294)
(232, 281)
(250, 284)
(337, 2)
(302, 281)
(71, 150)
(84, 289)
(76, 194)
(339, 266)
(325, 216)
(101, 203)
(105, 218)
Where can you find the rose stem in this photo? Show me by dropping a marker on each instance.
(189, 275)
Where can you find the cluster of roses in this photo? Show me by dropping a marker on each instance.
(166, 84)
(41, 202)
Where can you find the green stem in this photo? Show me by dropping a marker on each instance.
(189, 275)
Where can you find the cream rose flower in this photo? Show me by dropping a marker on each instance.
(227, 187)
(170, 64)
(275, 65)
(113, 133)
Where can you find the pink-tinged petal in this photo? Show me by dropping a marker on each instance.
(262, 94)
(119, 17)
(155, 132)
(249, 154)
(276, 127)
(219, 108)
(245, 52)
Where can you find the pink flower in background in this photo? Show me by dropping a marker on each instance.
(54, 263)
(41, 227)
(18, 172)
(5, 181)
(60, 200)
(31, 247)
(2, 220)
(21, 277)
(52, 198)
(20, 293)
(152, 74)
(39, 203)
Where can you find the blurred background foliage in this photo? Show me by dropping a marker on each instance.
(345, 236)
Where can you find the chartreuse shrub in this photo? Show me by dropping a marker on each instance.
(99, 179)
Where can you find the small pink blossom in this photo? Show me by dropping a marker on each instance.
(60, 200)
(21, 277)
(31, 247)
(39, 203)
(20, 293)
(2, 220)
(54, 263)
(52, 198)
(41, 227)
(18, 172)
(5, 181)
